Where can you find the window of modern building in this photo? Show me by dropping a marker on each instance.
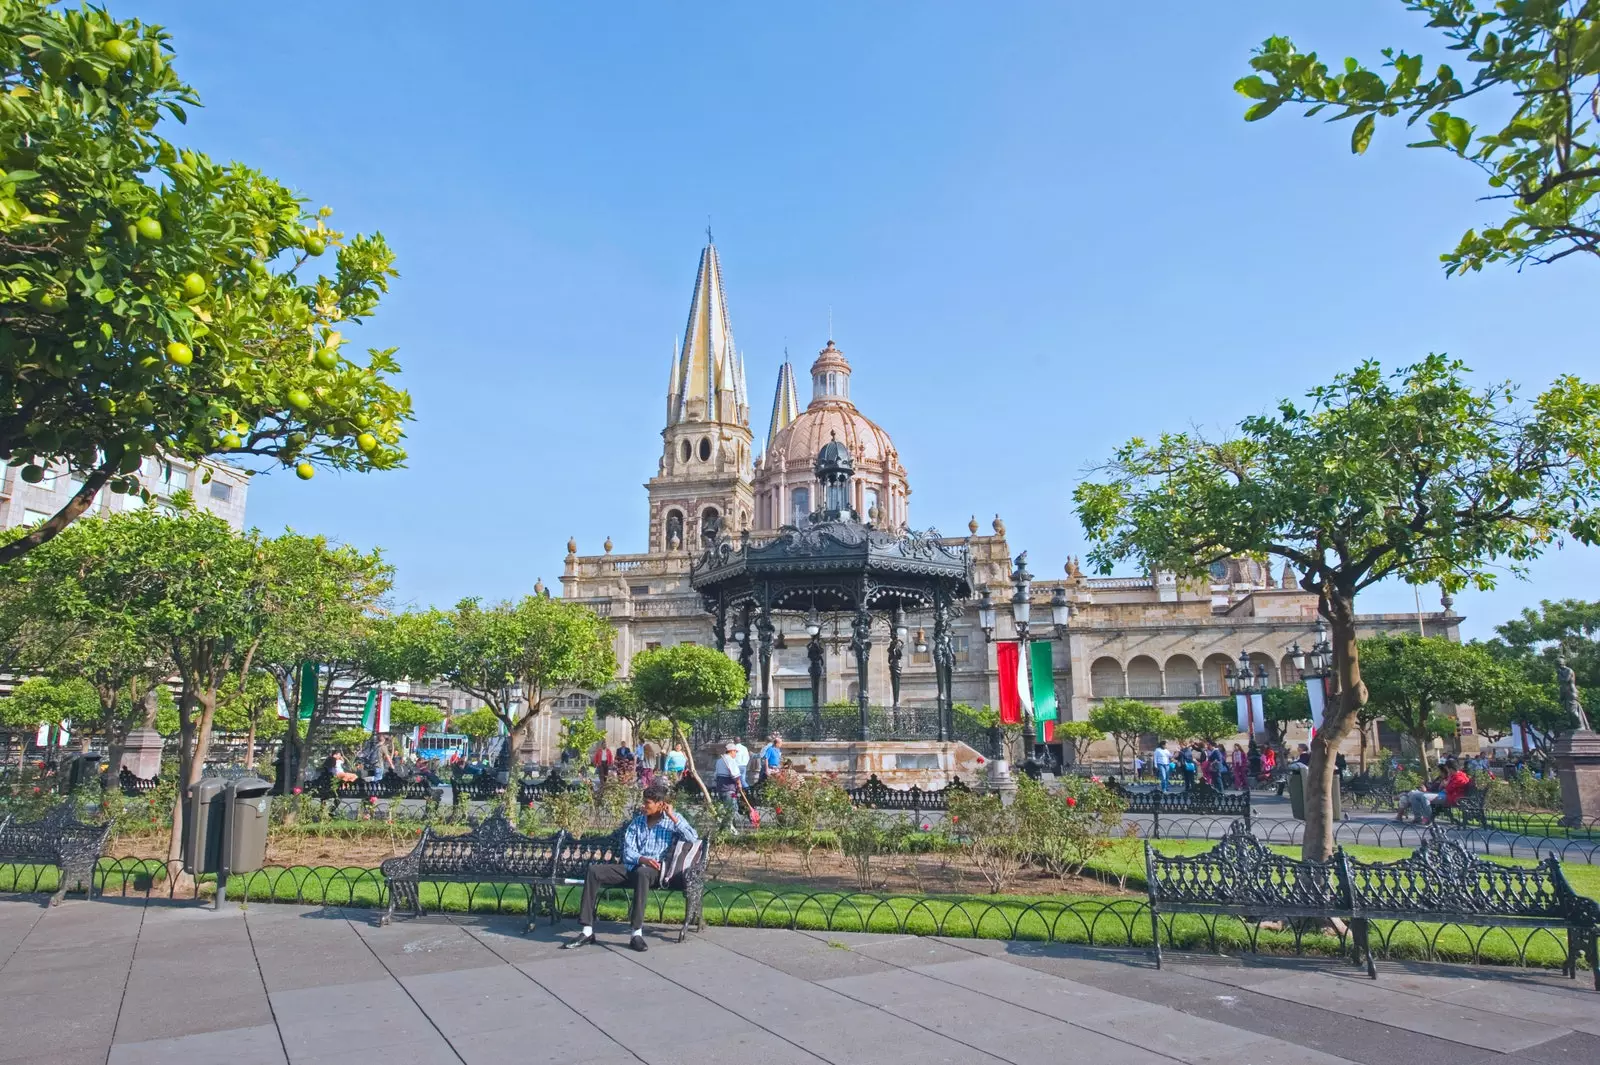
(34, 517)
(48, 481)
(221, 491)
(176, 479)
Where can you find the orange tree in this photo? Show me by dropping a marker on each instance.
(1524, 108)
(1414, 475)
(154, 302)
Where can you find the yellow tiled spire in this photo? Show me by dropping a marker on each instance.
(785, 401)
(709, 378)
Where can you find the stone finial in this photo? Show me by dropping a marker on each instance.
(538, 586)
(972, 525)
(1287, 579)
(675, 543)
(999, 526)
(1447, 601)
(607, 545)
(1072, 567)
(572, 546)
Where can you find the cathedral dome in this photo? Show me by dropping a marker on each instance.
(831, 418)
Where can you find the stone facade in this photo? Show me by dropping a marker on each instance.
(1148, 637)
(223, 494)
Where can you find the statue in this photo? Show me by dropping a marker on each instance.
(1570, 702)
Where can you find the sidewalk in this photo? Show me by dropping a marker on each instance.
(127, 984)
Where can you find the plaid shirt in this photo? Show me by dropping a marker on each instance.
(644, 840)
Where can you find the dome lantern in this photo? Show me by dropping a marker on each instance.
(835, 469)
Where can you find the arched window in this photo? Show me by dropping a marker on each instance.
(1106, 679)
(802, 504)
(705, 448)
(708, 518)
(674, 529)
(685, 451)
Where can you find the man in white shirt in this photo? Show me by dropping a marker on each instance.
(743, 754)
(1163, 763)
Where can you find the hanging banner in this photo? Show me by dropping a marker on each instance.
(1044, 681)
(1006, 657)
(65, 734)
(376, 716)
(308, 690)
(1317, 696)
(1241, 709)
(42, 739)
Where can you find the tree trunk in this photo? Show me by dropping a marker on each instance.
(1351, 696)
(250, 746)
(688, 753)
(194, 744)
(1362, 756)
(515, 733)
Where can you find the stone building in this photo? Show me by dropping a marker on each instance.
(222, 492)
(1149, 637)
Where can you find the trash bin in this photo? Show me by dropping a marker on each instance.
(1297, 795)
(225, 827)
(76, 770)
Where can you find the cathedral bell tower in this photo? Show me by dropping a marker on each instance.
(704, 475)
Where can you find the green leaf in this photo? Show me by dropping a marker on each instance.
(1252, 86)
(1458, 133)
(1361, 136)
(1256, 112)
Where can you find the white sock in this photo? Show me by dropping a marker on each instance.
(639, 932)
(588, 930)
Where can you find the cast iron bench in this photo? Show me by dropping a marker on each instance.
(389, 786)
(577, 855)
(1202, 798)
(493, 852)
(1439, 883)
(59, 839)
(133, 786)
(1469, 810)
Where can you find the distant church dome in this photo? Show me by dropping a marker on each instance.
(830, 418)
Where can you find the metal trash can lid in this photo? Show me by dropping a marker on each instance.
(207, 788)
(251, 786)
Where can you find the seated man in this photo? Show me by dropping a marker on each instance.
(644, 847)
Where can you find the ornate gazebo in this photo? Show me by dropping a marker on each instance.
(835, 564)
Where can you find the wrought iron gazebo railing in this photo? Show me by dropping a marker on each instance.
(836, 723)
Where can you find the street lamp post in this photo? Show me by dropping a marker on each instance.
(1316, 669)
(1249, 684)
(1021, 618)
(814, 655)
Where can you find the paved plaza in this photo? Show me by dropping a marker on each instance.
(128, 984)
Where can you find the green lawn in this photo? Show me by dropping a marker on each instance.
(1103, 920)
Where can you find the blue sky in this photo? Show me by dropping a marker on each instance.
(1040, 228)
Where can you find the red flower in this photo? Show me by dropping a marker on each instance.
(980, 760)
(954, 820)
(36, 791)
(927, 827)
(297, 791)
(1071, 801)
(778, 810)
(373, 799)
(530, 805)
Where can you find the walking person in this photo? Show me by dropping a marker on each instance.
(1162, 759)
(1241, 769)
(726, 783)
(644, 848)
(676, 762)
(743, 754)
(1186, 766)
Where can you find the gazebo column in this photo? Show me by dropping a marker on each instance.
(764, 633)
(719, 624)
(861, 644)
(745, 652)
(897, 620)
(943, 654)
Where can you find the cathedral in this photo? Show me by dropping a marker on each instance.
(1149, 637)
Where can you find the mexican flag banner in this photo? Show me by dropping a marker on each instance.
(308, 689)
(376, 716)
(1016, 700)
(1045, 710)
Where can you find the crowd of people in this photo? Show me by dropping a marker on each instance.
(1210, 762)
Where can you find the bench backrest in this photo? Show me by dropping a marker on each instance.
(57, 833)
(580, 853)
(1240, 871)
(492, 847)
(1440, 876)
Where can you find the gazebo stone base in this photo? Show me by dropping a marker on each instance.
(898, 763)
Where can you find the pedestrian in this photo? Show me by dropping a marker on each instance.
(1186, 766)
(1254, 757)
(602, 760)
(1241, 769)
(1162, 758)
(726, 782)
(743, 753)
(772, 756)
(676, 762)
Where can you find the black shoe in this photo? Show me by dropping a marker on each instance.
(638, 943)
(581, 941)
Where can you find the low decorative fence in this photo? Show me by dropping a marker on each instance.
(1119, 923)
(1200, 798)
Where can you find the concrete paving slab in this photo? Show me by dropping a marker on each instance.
(538, 1040)
(257, 1045)
(465, 1001)
(371, 1014)
(424, 947)
(807, 957)
(1565, 1050)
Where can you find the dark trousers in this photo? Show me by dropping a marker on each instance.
(613, 874)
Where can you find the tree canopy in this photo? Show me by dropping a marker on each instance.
(153, 302)
(1408, 677)
(1531, 79)
(1125, 720)
(1414, 475)
(1209, 719)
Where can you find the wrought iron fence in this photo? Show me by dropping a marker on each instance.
(1113, 923)
(838, 723)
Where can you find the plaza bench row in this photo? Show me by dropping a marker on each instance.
(59, 839)
(1440, 883)
(493, 852)
(1200, 798)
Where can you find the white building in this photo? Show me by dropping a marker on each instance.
(222, 493)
